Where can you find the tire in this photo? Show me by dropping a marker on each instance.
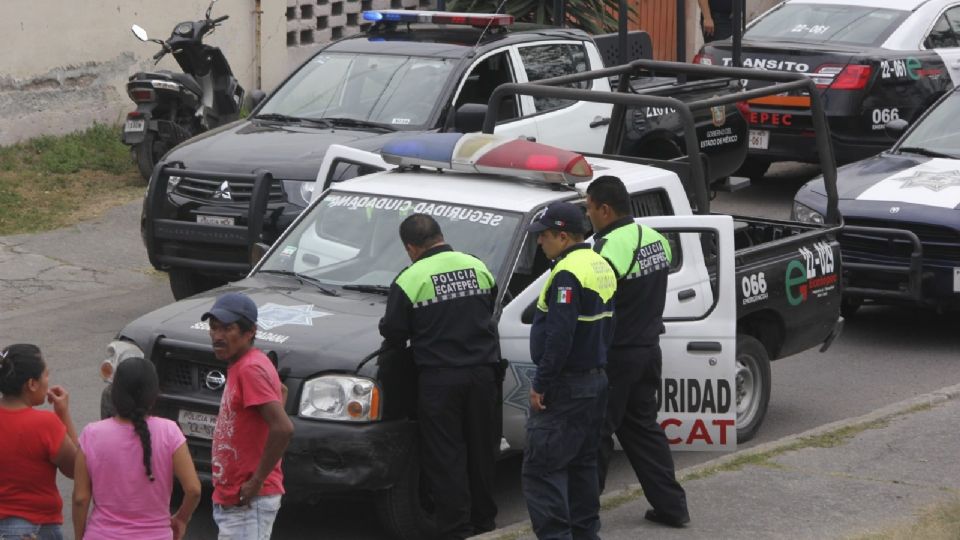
(753, 169)
(148, 153)
(401, 509)
(753, 386)
(185, 282)
(850, 306)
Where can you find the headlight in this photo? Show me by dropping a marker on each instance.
(805, 214)
(340, 397)
(117, 351)
(300, 192)
(172, 183)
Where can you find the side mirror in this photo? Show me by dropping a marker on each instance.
(257, 251)
(895, 128)
(140, 33)
(256, 97)
(469, 117)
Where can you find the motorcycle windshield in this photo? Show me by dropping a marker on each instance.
(395, 91)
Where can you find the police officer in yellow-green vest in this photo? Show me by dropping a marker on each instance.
(443, 304)
(572, 328)
(641, 258)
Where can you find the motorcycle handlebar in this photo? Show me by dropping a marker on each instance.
(160, 54)
(220, 19)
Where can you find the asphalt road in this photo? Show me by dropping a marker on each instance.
(71, 290)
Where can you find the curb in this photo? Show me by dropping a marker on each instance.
(633, 491)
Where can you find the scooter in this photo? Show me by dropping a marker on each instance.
(172, 107)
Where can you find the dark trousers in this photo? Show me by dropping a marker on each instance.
(560, 461)
(457, 414)
(632, 414)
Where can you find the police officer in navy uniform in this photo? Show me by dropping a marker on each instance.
(572, 328)
(641, 258)
(443, 303)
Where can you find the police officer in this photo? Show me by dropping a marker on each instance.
(443, 303)
(572, 328)
(641, 258)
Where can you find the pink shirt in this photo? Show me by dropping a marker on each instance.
(126, 504)
(241, 432)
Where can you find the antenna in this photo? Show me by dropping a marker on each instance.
(485, 28)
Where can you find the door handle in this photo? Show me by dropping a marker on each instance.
(600, 121)
(529, 138)
(704, 346)
(686, 294)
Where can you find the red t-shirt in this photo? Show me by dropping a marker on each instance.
(29, 441)
(241, 431)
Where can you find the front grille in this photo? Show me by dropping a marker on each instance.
(187, 371)
(213, 190)
(940, 244)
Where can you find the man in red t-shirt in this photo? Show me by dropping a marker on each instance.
(252, 429)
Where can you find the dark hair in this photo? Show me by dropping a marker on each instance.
(245, 325)
(18, 364)
(135, 389)
(609, 190)
(420, 230)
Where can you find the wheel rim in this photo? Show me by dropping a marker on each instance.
(748, 398)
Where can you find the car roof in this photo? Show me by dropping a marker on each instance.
(448, 41)
(901, 5)
(497, 191)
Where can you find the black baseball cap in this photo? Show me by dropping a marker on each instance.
(560, 216)
(230, 307)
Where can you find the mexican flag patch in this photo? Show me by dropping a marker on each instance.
(564, 295)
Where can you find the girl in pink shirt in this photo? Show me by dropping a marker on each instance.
(126, 464)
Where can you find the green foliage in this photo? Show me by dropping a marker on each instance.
(97, 149)
(593, 16)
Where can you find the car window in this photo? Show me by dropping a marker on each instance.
(827, 23)
(485, 76)
(554, 60)
(396, 90)
(944, 32)
(939, 131)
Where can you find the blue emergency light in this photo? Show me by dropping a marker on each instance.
(479, 20)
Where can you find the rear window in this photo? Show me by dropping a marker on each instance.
(827, 24)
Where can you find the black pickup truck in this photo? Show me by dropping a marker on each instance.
(204, 211)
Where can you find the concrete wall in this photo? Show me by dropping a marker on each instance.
(65, 64)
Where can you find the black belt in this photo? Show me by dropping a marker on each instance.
(580, 373)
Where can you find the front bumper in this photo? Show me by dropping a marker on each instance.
(324, 459)
(905, 278)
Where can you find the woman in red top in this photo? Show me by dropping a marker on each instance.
(33, 445)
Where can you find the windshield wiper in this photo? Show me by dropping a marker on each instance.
(303, 279)
(353, 122)
(925, 152)
(379, 289)
(287, 119)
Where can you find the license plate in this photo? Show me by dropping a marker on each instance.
(215, 220)
(196, 424)
(956, 279)
(759, 139)
(134, 125)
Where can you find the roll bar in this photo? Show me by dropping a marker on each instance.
(622, 99)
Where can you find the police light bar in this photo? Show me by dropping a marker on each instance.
(489, 154)
(479, 20)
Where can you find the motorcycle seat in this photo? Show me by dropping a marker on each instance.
(186, 80)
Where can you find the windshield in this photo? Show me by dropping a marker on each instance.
(353, 239)
(393, 90)
(827, 24)
(939, 132)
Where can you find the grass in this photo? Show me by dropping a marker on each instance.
(54, 181)
(938, 522)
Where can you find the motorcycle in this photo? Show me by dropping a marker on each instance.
(172, 107)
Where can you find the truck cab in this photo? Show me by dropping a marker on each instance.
(321, 290)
